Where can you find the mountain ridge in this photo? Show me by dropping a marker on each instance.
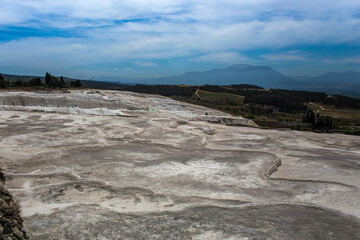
(239, 73)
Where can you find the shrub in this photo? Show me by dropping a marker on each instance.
(250, 116)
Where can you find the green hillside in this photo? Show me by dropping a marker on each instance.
(220, 97)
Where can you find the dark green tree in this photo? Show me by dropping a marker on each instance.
(35, 81)
(2, 82)
(76, 84)
(9, 83)
(53, 82)
(18, 83)
(47, 78)
(309, 117)
(62, 83)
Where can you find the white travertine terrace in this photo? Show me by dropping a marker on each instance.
(121, 165)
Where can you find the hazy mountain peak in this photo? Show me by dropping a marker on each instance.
(245, 67)
(236, 74)
(240, 66)
(339, 77)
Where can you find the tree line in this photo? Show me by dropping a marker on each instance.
(50, 82)
(317, 121)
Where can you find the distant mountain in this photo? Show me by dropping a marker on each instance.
(337, 81)
(344, 83)
(300, 78)
(339, 78)
(241, 73)
(332, 80)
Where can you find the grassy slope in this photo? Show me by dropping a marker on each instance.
(220, 97)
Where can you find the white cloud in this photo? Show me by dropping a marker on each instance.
(355, 59)
(202, 31)
(73, 13)
(286, 56)
(162, 39)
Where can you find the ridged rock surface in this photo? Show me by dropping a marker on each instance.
(122, 165)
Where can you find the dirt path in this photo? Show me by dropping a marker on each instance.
(321, 107)
(196, 93)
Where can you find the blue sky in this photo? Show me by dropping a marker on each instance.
(153, 38)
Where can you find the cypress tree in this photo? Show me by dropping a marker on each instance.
(47, 78)
(53, 82)
(62, 82)
(2, 82)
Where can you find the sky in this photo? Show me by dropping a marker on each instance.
(153, 38)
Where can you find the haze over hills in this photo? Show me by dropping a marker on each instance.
(267, 77)
(241, 73)
(345, 83)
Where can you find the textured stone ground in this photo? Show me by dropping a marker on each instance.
(120, 165)
(11, 226)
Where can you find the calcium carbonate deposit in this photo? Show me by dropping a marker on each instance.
(121, 165)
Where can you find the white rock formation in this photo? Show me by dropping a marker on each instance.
(122, 165)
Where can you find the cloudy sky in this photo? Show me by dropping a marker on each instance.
(151, 38)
